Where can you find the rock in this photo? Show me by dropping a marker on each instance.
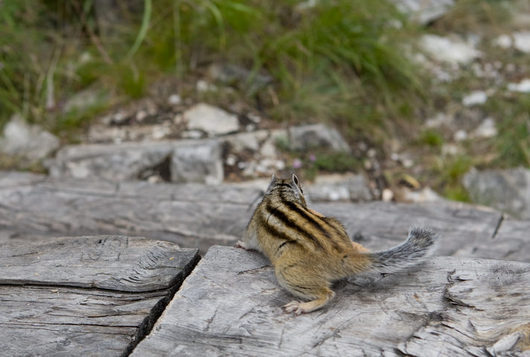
(83, 100)
(504, 41)
(160, 131)
(450, 50)
(246, 141)
(439, 120)
(424, 11)
(505, 190)
(451, 149)
(174, 99)
(518, 40)
(487, 129)
(197, 162)
(316, 136)
(192, 134)
(211, 120)
(204, 86)
(522, 87)
(460, 135)
(172, 160)
(111, 162)
(339, 188)
(474, 98)
(420, 196)
(29, 141)
(522, 41)
(230, 74)
(387, 195)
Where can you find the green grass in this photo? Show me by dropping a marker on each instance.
(431, 138)
(449, 173)
(513, 141)
(340, 61)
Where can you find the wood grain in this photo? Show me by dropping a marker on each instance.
(89, 296)
(231, 305)
(199, 216)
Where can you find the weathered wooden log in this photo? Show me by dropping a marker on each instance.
(231, 306)
(85, 295)
(200, 216)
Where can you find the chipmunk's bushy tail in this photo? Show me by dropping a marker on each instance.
(418, 245)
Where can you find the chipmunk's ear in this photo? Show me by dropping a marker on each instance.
(295, 180)
(273, 178)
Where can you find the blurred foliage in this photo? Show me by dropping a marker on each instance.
(341, 61)
(513, 141)
(468, 16)
(338, 60)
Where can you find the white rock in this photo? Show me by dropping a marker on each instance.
(141, 115)
(503, 41)
(453, 51)
(197, 162)
(450, 149)
(192, 134)
(246, 141)
(204, 86)
(475, 98)
(439, 120)
(30, 141)
(268, 149)
(522, 87)
(160, 132)
(519, 40)
(522, 41)
(424, 11)
(174, 99)
(387, 195)
(460, 135)
(306, 137)
(486, 129)
(505, 190)
(211, 120)
(421, 196)
(231, 160)
(83, 100)
(339, 188)
(407, 163)
(254, 117)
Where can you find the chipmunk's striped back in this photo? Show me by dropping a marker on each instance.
(283, 220)
(309, 250)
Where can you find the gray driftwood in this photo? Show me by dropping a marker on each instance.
(231, 306)
(86, 296)
(200, 216)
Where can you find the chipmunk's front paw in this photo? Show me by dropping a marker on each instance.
(294, 306)
(241, 244)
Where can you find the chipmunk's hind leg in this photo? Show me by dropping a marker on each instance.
(296, 280)
(299, 307)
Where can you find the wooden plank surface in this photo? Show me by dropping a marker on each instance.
(88, 296)
(231, 306)
(511, 242)
(200, 216)
(117, 263)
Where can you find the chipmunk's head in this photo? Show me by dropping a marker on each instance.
(287, 189)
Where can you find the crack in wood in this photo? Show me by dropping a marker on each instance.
(498, 226)
(147, 324)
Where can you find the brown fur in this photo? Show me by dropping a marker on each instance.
(308, 250)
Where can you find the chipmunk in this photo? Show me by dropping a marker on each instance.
(309, 251)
